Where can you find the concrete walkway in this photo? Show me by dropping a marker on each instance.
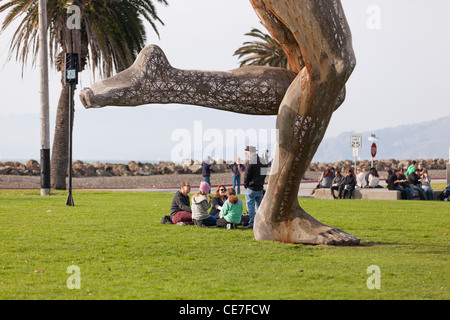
(305, 188)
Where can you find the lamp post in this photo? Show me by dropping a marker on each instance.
(44, 101)
(71, 80)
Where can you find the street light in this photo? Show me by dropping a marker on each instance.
(44, 100)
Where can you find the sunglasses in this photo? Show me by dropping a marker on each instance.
(223, 189)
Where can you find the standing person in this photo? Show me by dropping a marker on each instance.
(253, 183)
(415, 181)
(200, 207)
(337, 181)
(426, 184)
(206, 170)
(180, 210)
(218, 200)
(232, 210)
(348, 185)
(237, 168)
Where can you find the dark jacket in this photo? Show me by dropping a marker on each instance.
(349, 181)
(390, 181)
(216, 201)
(253, 178)
(235, 168)
(414, 179)
(206, 169)
(180, 202)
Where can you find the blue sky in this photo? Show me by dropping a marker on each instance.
(401, 77)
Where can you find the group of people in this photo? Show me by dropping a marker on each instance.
(415, 179)
(225, 208)
(347, 182)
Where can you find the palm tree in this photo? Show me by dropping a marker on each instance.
(264, 51)
(110, 36)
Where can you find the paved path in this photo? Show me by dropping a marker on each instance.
(304, 191)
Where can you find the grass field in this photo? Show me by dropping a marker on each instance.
(121, 250)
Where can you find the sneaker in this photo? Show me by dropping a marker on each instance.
(181, 223)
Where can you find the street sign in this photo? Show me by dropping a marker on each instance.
(356, 141)
(72, 68)
(373, 150)
(355, 152)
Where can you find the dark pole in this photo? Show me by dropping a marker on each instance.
(69, 197)
(71, 80)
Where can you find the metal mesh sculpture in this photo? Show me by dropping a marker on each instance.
(317, 41)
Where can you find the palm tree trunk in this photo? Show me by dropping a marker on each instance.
(60, 151)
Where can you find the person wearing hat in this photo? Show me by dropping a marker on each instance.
(253, 183)
(201, 205)
(180, 210)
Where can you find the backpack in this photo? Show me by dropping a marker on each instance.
(445, 194)
(245, 219)
(166, 220)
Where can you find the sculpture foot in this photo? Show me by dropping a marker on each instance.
(302, 229)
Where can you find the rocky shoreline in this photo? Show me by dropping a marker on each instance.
(133, 168)
(136, 175)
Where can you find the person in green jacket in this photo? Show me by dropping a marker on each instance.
(231, 210)
(411, 169)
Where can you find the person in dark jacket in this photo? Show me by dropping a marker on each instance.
(337, 180)
(253, 183)
(347, 185)
(414, 181)
(218, 201)
(206, 170)
(180, 209)
(237, 168)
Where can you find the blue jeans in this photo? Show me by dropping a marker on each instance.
(237, 183)
(409, 193)
(253, 200)
(430, 193)
(206, 178)
(421, 193)
(211, 221)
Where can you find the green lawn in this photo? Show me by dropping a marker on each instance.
(123, 252)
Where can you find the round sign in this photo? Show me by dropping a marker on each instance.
(373, 150)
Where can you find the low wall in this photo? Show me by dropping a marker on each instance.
(370, 194)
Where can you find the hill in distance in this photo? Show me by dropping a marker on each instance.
(425, 140)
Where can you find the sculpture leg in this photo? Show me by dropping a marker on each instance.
(303, 117)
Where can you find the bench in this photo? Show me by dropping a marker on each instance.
(369, 193)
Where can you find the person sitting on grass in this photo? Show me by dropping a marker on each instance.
(218, 200)
(180, 210)
(232, 210)
(200, 207)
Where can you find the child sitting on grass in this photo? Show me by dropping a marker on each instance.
(200, 207)
(231, 210)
